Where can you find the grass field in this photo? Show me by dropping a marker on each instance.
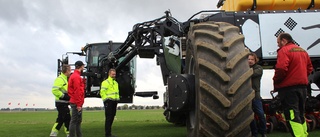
(128, 123)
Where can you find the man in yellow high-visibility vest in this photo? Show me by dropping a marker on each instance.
(109, 93)
(60, 92)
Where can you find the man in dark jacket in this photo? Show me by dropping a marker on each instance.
(76, 93)
(256, 102)
(291, 81)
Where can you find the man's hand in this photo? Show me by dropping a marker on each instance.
(65, 96)
(79, 109)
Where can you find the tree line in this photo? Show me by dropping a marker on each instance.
(120, 107)
(125, 107)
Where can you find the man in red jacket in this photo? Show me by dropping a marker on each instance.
(76, 93)
(291, 80)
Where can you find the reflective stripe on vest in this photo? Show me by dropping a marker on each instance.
(62, 89)
(113, 95)
(65, 83)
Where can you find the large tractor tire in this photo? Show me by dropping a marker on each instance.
(222, 102)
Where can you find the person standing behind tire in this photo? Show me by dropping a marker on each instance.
(256, 102)
(109, 93)
(291, 81)
(76, 93)
(60, 92)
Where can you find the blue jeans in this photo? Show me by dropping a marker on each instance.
(258, 126)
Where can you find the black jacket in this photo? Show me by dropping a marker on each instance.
(256, 79)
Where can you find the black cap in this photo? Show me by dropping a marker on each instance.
(79, 63)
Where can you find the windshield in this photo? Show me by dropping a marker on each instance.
(98, 51)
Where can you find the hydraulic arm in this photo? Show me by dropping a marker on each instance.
(145, 39)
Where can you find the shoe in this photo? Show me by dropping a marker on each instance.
(68, 135)
(263, 135)
(112, 136)
(53, 134)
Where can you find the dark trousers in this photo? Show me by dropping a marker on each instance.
(293, 101)
(110, 109)
(258, 126)
(75, 123)
(63, 115)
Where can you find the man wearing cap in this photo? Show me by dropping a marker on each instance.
(76, 93)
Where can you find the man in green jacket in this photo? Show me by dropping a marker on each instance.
(257, 126)
(60, 92)
(109, 93)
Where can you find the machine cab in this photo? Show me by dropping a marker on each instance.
(97, 51)
(97, 67)
(97, 71)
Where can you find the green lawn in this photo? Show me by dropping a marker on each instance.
(128, 123)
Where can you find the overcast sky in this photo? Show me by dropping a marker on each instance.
(34, 34)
